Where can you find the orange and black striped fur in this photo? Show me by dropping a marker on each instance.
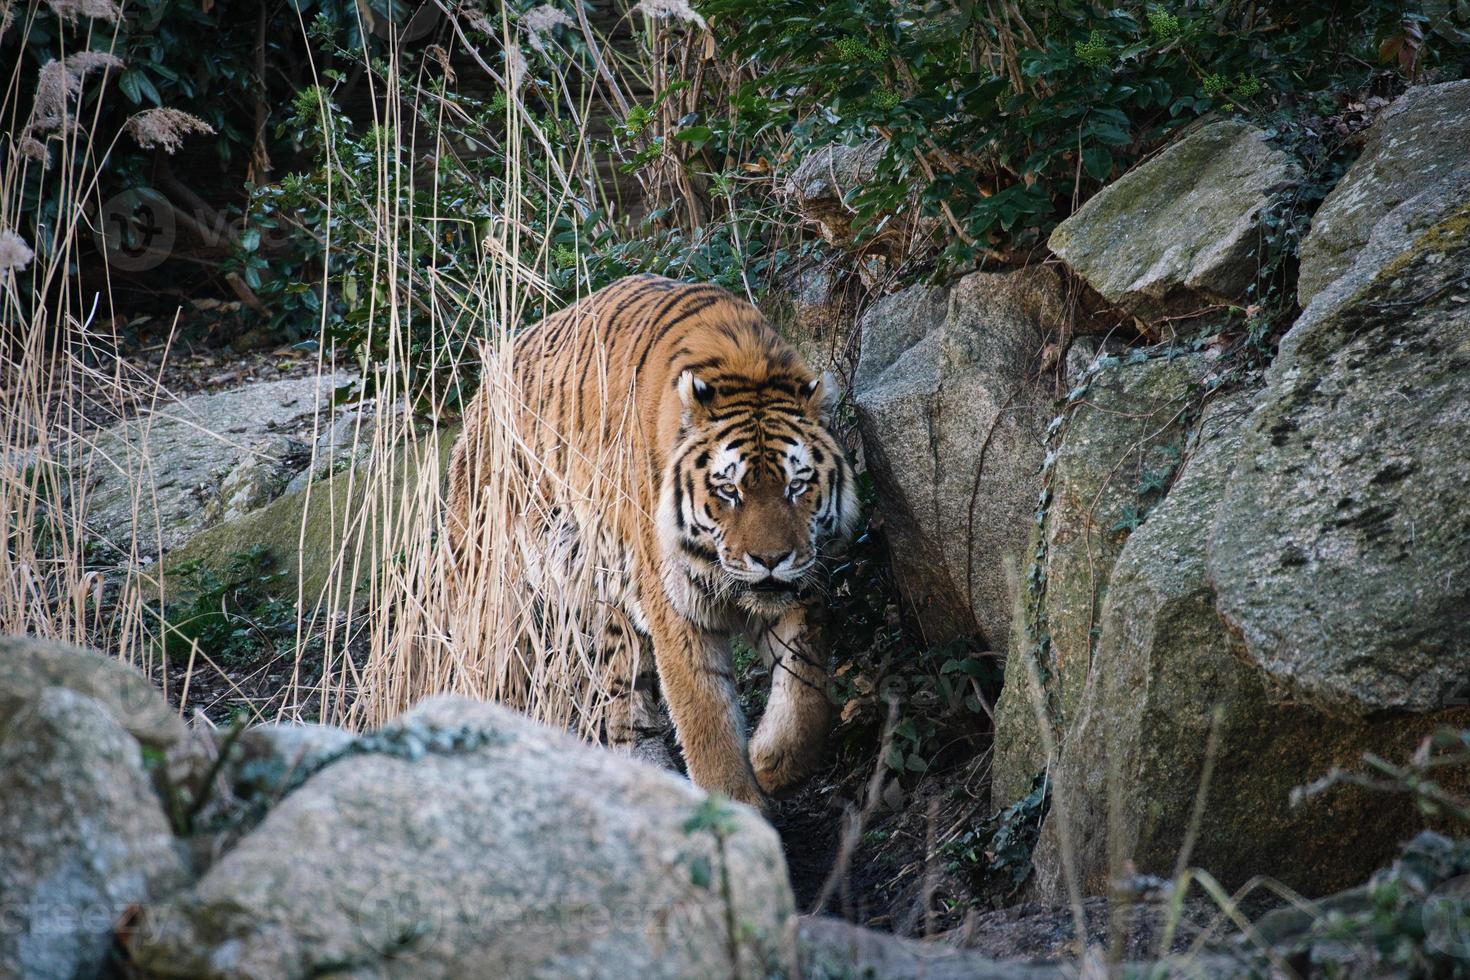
(738, 489)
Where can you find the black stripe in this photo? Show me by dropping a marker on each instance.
(704, 365)
(679, 502)
(703, 552)
(697, 306)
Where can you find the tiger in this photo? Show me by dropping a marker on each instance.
(741, 494)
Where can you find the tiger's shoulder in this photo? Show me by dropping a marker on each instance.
(648, 334)
(656, 321)
(718, 335)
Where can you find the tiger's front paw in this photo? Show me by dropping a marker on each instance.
(737, 784)
(777, 769)
(748, 792)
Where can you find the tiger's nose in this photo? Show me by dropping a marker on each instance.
(769, 562)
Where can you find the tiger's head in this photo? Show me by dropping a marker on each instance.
(757, 488)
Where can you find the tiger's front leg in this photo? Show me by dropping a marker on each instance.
(698, 683)
(792, 733)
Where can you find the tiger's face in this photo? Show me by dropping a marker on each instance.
(756, 489)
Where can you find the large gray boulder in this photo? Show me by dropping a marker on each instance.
(1180, 231)
(1418, 142)
(160, 478)
(310, 532)
(1392, 235)
(83, 835)
(1342, 550)
(952, 418)
(821, 183)
(28, 666)
(1124, 436)
(1167, 676)
(464, 840)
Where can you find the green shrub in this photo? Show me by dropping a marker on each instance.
(1004, 125)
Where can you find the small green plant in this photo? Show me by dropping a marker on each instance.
(234, 614)
(1094, 51)
(752, 677)
(1163, 26)
(996, 854)
(1416, 920)
(716, 817)
(1157, 475)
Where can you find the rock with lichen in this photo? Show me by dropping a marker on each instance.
(154, 482)
(952, 412)
(465, 840)
(1415, 149)
(31, 665)
(1341, 553)
(1123, 437)
(83, 835)
(1180, 231)
(1176, 732)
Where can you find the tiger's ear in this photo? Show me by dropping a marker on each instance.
(694, 394)
(821, 395)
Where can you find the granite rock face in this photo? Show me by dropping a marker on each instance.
(814, 309)
(952, 417)
(28, 666)
(1172, 710)
(470, 841)
(1180, 231)
(308, 531)
(1341, 553)
(83, 835)
(1392, 235)
(832, 948)
(1419, 141)
(1124, 437)
(199, 461)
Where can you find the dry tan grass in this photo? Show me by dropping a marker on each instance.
(49, 585)
(515, 623)
(415, 624)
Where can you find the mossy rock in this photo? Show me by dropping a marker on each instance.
(1126, 433)
(310, 533)
(1416, 144)
(1182, 230)
(1169, 677)
(1342, 551)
